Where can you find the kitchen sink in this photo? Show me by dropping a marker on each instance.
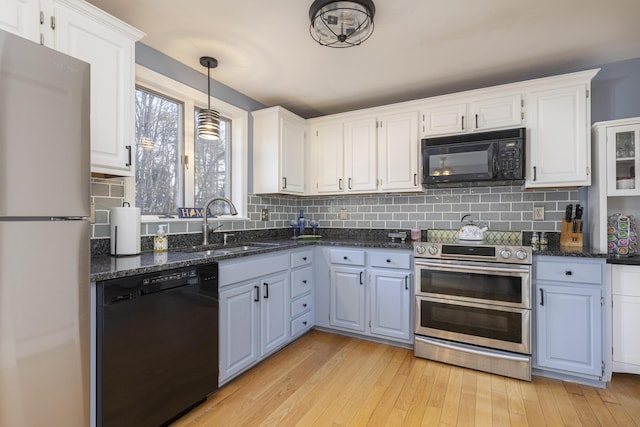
(213, 250)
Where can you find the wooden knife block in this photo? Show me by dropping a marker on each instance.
(569, 240)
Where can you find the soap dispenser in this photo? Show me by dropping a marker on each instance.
(160, 241)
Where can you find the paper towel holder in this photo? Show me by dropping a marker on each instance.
(114, 236)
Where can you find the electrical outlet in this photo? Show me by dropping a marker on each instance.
(343, 214)
(538, 213)
(265, 214)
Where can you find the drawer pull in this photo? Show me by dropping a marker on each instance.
(346, 257)
(304, 281)
(304, 323)
(388, 260)
(304, 305)
(304, 258)
(568, 273)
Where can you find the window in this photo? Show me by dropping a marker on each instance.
(175, 168)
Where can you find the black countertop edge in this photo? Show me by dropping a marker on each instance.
(106, 267)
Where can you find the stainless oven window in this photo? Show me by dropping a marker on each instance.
(497, 327)
(480, 322)
(483, 286)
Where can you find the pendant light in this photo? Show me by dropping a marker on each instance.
(208, 120)
(340, 24)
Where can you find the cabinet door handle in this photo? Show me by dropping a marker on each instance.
(266, 290)
(462, 122)
(568, 273)
(284, 182)
(53, 22)
(349, 183)
(406, 283)
(361, 278)
(128, 147)
(304, 258)
(534, 173)
(257, 293)
(415, 179)
(340, 184)
(304, 305)
(476, 121)
(304, 323)
(541, 296)
(304, 281)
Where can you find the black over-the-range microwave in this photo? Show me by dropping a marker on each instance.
(482, 158)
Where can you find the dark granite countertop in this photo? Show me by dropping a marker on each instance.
(555, 250)
(106, 267)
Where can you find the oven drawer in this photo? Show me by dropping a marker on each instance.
(396, 259)
(561, 269)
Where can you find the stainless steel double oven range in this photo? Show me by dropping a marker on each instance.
(473, 306)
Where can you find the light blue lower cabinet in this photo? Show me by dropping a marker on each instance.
(569, 326)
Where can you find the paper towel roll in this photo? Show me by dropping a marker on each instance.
(125, 231)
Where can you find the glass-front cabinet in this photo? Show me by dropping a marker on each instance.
(623, 158)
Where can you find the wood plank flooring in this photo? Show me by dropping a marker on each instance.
(325, 379)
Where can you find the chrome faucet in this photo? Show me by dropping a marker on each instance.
(205, 226)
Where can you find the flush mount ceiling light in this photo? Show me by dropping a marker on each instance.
(341, 23)
(208, 120)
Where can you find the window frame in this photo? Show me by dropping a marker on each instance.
(192, 98)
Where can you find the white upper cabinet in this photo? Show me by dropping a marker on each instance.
(445, 119)
(398, 152)
(328, 157)
(623, 159)
(559, 152)
(20, 17)
(345, 156)
(360, 156)
(366, 154)
(473, 113)
(83, 31)
(278, 152)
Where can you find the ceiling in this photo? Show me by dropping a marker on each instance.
(419, 48)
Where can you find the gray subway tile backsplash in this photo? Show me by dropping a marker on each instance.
(500, 208)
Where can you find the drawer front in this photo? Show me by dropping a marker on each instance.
(302, 324)
(301, 281)
(301, 305)
(347, 256)
(250, 267)
(626, 280)
(298, 259)
(395, 259)
(569, 271)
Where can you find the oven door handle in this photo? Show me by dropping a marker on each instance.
(471, 268)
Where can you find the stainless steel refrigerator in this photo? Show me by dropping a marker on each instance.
(44, 236)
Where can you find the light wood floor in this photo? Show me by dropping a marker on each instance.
(324, 379)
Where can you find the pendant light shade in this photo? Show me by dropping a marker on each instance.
(340, 24)
(208, 122)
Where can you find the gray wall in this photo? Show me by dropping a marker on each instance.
(616, 91)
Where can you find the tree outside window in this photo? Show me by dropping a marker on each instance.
(161, 166)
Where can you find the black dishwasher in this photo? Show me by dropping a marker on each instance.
(157, 345)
